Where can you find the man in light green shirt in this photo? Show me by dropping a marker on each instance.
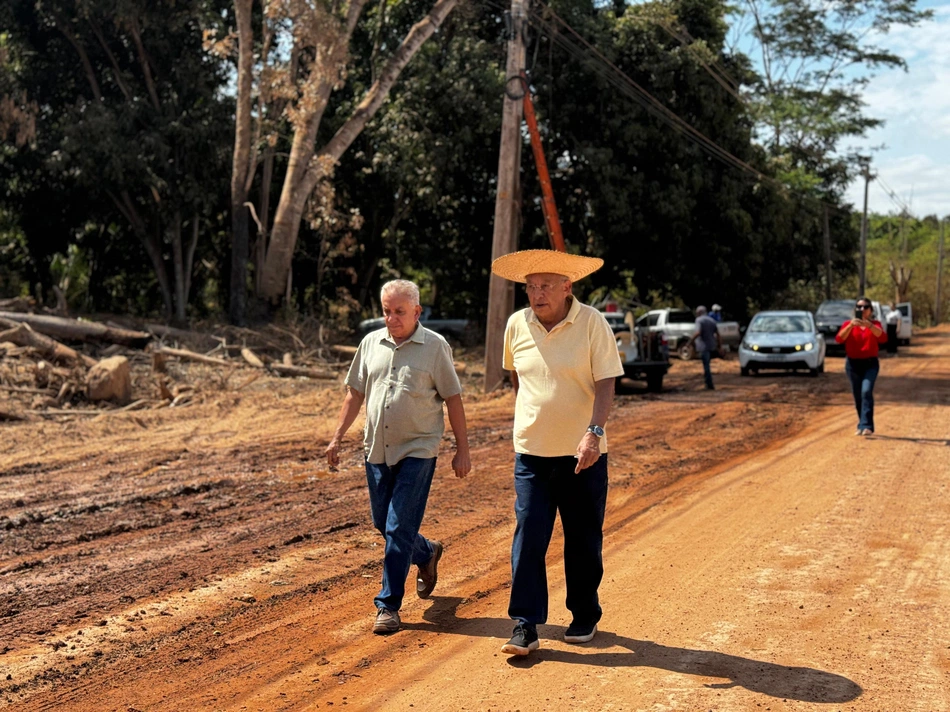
(404, 373)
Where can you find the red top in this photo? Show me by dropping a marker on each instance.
(861, 342)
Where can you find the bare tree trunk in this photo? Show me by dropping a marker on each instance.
(144, 62)
(151, 244)
(260, 245)
(178, 259)
(190, 255)
(299, 184)
(83, 58)
(239, 168)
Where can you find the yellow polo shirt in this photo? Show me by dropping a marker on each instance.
(556, 371)
(405, 387)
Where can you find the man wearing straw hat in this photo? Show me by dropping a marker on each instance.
(405, 373)
(563, 360)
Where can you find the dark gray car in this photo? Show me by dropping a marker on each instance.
(835, 312)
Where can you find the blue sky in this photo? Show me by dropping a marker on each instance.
(915, 160)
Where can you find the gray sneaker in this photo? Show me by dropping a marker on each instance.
(580, 633)
(429, 574)
(387, 621)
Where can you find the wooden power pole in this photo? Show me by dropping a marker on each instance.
(938, 307)
(866, 172)
(827, 232)
(501, 292)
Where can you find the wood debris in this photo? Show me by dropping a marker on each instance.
(46, 361)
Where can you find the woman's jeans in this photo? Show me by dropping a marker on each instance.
(545, 486)
(397, 498)
(862, 373)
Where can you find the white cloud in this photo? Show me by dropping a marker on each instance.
(917, 181)
(915, 105)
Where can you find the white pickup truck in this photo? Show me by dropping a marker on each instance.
(678, 325)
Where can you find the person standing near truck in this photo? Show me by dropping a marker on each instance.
(563, 360)
(405, 373)
(893, 320)
(706, 336)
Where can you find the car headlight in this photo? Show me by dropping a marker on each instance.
(798, 347)
(809, 346)
(755, 347)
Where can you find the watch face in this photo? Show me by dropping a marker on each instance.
(597, 430)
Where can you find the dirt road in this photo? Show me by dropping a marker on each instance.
(758, 557)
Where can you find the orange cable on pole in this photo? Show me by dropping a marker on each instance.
(548, 206)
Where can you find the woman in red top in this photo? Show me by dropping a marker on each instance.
(861, 337)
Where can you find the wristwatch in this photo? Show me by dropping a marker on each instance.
(596, 430)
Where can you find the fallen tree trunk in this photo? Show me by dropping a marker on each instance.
(251, 358)
(192, 356)
(170, 332)
(16, 304)
(13, 417)
(285, 370)
(23, 335)
(344, 350)
(63, 328)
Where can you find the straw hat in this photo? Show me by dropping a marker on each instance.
(518, 265)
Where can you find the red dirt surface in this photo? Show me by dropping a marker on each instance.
(758, 556)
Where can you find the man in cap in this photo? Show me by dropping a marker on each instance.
(707, 341)
(404, 372)
(563, 360)
(716, 313)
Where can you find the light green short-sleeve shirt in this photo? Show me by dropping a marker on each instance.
(404, 388)
(556, 371)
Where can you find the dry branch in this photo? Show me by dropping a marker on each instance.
(170, 332)
(285, 370)
(11, 416)
(251, 358)
(17, 304)
(63, 328)
(23, 335)
(192, 356)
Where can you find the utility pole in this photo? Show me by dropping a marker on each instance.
(866, 172)
(501, 292)
(938, 307)
(827, 257)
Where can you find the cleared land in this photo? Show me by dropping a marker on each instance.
(759, 556)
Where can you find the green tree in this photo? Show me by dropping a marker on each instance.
(133, 132)
(814, 58)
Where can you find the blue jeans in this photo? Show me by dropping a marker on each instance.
(397, 499)
(862, 373)
(707, 372)
(545, 486)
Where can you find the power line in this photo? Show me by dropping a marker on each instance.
(893, 195)
(587, 53)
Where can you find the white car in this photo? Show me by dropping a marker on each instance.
(785, 340)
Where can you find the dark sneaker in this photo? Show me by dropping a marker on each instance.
(429, 574)
(387, 621)
(580, 633)
(523, 641)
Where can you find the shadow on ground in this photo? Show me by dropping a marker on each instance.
(792, 683)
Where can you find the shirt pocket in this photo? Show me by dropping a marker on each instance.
(416, 382)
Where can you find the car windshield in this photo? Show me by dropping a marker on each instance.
(681, 316)
(779, 324)
(838, 309)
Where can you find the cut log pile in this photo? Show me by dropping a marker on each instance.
(54, 365)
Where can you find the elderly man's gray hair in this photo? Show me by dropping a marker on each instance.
(403, 288)
(700, 311)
